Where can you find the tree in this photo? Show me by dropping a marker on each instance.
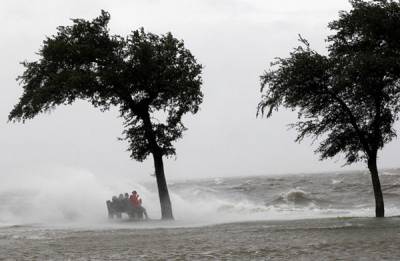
(143, 74)
(349, 98)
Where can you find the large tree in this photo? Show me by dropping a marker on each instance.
(349, 98)
(143, 74)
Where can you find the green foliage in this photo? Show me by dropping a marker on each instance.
(142, 74)
(349, 98)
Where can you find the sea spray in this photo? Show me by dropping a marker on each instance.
(71, 197)
(57, 196)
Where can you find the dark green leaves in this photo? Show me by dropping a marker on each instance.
(142, 74)
(349, 98)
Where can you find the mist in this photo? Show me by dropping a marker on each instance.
(70, 161)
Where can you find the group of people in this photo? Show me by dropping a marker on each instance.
(129, 204)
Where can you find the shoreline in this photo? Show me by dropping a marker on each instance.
(157, 224)
(357, 238)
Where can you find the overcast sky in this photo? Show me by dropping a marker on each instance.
(235, 40)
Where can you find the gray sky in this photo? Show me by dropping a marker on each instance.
(235, 40)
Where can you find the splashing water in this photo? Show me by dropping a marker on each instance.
(77, 198)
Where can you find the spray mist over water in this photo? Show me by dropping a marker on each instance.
(55, 196)
(76, 198)
(59, 196)
(71, 197)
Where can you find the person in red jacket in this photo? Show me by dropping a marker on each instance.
(136, 203)
(135, 199)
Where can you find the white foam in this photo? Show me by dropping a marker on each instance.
(76, 199)
(388, 173)
(336, 181)
(56, 197)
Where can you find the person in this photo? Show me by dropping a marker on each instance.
(136, 203)
(110, 209)
(126, 203)
(115, 205)
(135, 199)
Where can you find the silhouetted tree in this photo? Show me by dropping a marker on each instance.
(143, 74)
(349, 98)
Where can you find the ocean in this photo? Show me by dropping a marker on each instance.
(326, 216)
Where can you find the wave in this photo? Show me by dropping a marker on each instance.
(79, 198)
(337, 181)
(294, 196)
(218, 181)
(390, 173)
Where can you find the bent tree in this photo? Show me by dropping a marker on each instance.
(349, 98)
(143, 74)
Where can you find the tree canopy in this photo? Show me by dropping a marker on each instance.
(349, 98)
(352, 94)
(142, 73)
(145, 75)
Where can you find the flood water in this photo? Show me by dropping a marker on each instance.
(325, 216)
(311, 239)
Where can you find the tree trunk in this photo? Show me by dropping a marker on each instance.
(379, 206)
(165, 202)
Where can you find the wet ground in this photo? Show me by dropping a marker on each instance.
(314, 239)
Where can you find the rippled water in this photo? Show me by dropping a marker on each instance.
(301, 217)
(312, 239)
(291, 197)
